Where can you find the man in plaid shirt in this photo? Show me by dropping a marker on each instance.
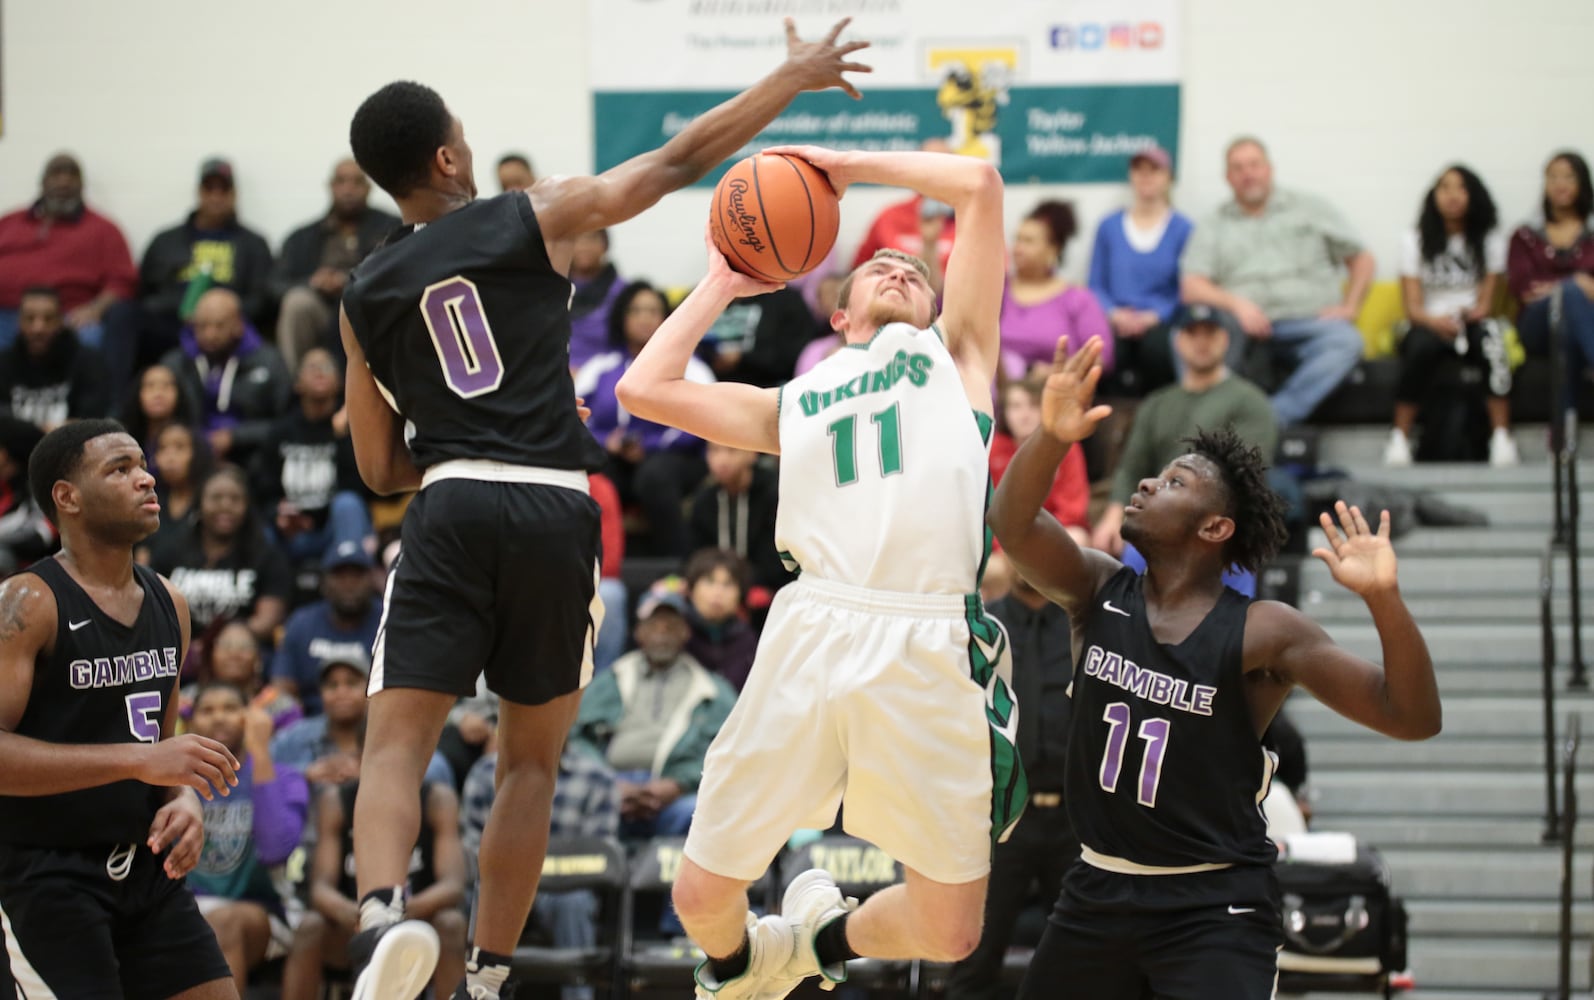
(586, 803)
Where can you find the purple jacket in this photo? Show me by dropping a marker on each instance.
(595, 383)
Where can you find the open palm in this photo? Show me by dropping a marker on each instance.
(1066, 410)
(1362, 560)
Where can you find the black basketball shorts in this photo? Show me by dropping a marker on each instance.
(493, 577)
(1205, 936)
(75, 931)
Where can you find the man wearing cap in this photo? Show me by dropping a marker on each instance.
(919, 226)
(326, 747)
(342, 624)
(1134, 273)
(652, 716)
(1206, 397)
(317, 258)
(59, 242)
(1276, 261)
(207, 249)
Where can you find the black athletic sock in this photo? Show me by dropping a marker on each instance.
(486, 970)
(733, 965)
(830, 944)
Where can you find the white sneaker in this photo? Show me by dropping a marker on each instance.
(402, 963)
(812, 901)
(1397, 453)
(1503, 449)
(769, 951)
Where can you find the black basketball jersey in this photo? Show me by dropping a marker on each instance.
(103, 683)
(466, 326)
(422, 873)
(1164, 765)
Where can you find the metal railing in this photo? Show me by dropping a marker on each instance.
(1563, 460)
(1574, 736)
(1552, 814)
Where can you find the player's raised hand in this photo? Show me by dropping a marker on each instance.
(1066, 410)
(831, 162)
(819, 65)
(1361, 559)
(737, 284)
(180, 825)
(199, 763)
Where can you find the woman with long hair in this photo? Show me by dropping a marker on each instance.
(182, 462)
(223, 563)
(1449, 268)
(1557, 253)
(158, 402)
(1039, 305)
(653, 466)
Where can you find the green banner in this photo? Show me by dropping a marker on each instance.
(1051, 134)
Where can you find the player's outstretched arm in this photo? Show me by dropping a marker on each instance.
(378, 431)
(977, 270)
(1037, 545)
(656, 387)
(567, 206)
(28, 624)
(1399, 699)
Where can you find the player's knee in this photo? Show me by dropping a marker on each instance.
(450, 928)
(949, 937)
(694, 896)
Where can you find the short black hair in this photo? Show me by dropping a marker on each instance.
(1257, 511)
(59, 455)
(42, 292)
(396, 132)
(704, 562)
(209, 686)
(1583, 204)
(519, 158)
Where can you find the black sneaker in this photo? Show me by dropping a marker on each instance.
(394, 961)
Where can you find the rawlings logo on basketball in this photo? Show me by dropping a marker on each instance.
(740, 218)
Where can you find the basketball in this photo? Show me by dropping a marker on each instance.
(775, 216)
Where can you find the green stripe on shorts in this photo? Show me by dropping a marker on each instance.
(1009, 786)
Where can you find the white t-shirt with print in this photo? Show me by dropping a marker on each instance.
(1450, 280)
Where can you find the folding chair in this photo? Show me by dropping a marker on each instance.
(594, 864)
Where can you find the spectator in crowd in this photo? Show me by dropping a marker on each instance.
(1273, 259)
(919, 226)
(586, 803)
(758, 339)
(159, 402)
(326, 745)
(343, 623)
(610, 642)
(305, 474)
(735, 510)
(825, 341)
(436, 889)
(1043, 844)
(1291, 779)
(223, 563)
(25, 533)
(1018, 418)
(1134, 273)
(1207, 396)
(653, 466)
(1448, 270)
(208, 249)
(515, 173)
(49, 376)
(597, 286)
(248, 832)
(59, 242)
(1039, 305)
(233, 657)
(716, 592)
(239, 380)
(652, 717)
(316, 261)
(1557, 252)
(182, 463)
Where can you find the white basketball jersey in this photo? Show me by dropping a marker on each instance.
(884, 468)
